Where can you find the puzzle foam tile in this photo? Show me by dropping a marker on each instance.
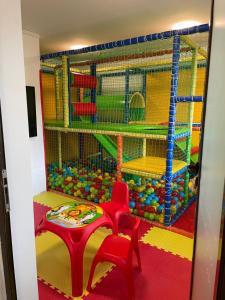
(53, 261)
(169, 241)
(51, 199)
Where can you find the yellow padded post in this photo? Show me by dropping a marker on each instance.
(65, 85)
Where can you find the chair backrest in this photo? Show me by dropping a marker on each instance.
(120, 193)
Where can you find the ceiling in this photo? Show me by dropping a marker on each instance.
(63, 23)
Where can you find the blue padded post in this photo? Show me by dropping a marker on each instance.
(81, 145)
(93, 91)
(126, 104)
(171, 127)
(144, 84)
(189, 99)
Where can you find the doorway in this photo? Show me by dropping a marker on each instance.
(7, 279)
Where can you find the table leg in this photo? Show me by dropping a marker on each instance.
(76, 259)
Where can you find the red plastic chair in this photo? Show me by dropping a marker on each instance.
(119, 204)
(119, 251)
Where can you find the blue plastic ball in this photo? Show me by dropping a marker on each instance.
(132, 204)
(87, 188)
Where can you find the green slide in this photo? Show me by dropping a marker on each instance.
(182, 146)
(109, 146)
(107, 143)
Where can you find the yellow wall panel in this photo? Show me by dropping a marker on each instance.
(48, 94)
(158, 95)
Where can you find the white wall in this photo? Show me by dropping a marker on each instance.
(32, 67)
(17, 148)
(213, 166)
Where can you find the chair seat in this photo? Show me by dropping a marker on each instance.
(115, 246)
(111, 208)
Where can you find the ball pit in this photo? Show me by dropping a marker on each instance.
(90, 182)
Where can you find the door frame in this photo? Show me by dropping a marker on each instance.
(5, 228)
(220, 273)
(207, 237)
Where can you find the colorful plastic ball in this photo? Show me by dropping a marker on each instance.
(175, 193)
(181, 194)
(141, 212)
(176, 199)
(161, 218)
(151, 217)
(154, 182)
(180, 204)
(150, 191)
(142, 200)
(157, 217)
(69, 178)
(142, 205)
(151, 209)
(153, 202)
(147, 202)
(135, 211)
(173, 209)
(132, 204)
(87, 189)
(146, 214)
(160, 209)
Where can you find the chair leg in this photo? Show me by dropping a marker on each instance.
(137, 251)
(93, 266)
(130, 283)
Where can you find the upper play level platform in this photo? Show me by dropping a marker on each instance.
(156, 132)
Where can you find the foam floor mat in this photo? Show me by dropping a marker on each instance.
(169, 241)
(53, 261)
(166, 260)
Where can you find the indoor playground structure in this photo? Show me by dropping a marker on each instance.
(127, 110)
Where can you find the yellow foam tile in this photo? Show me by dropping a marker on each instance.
(169, 241)
(53, 261)
(51, 199)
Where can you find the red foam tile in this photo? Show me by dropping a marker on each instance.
(47, 293)
(144, 227)
(164, 277)
(39, 211)
(187, 221)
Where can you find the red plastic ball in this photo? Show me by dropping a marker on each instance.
(141, 212)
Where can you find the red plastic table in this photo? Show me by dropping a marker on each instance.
(74, 223)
